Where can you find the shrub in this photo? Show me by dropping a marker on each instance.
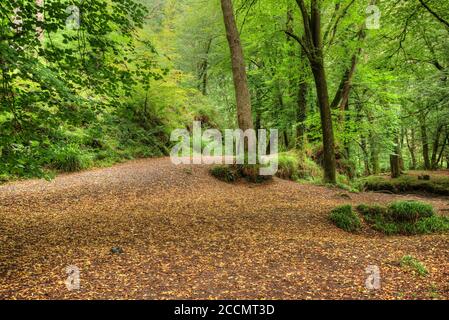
(405, 217)
(225, 173)
(294, 165)
(409, 211)
(68, 159)
(433, 224)
(288, 166)
(345, 218)
(371, 210)
(414, 264)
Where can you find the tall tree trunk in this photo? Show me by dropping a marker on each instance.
(242, 94)
(395, 159)
(365, 155)
(326, 122)
(312, 43)
(440, 157)
(425, 143)
(374, 146)
(203, 70)
(411, 148)
(435, 148)
(302, 88)
(301, 115)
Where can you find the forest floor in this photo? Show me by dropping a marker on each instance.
(187, 235)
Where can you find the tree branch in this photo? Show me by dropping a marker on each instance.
(446, 23)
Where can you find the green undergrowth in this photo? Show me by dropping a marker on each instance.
(407, 183)
(236, 172)
(398, 218)
(404, 218)
(411, 263)
(345, 218)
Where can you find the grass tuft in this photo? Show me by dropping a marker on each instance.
(404, 217)
(414, 264)
(345, 218)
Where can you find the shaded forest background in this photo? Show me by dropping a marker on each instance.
(114, 87)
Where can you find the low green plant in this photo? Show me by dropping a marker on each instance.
(288, 166)
(410, 211)
(227, 173)
(410, 262)
(294, 165)
(404, 217)
(69, 159)
(345, 218)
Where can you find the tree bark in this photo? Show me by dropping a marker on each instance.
(243, 98)
(412, 148)
(302, 89)
(425, 144)
(301, 115)
(203, 70)
(436, 146)
(312, 44)
(440, 157)
(395, 166)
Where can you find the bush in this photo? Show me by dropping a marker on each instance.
(410, 262)
(410, 211)
(295, 166)
(405, 217)
(288, 166)
(68, 159)
(433, 224)
(345, 218)
(225, 173)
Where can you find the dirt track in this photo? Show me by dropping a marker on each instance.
(186, 235)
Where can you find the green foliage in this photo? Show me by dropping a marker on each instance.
(410, 262)
(407, 183)
(410, 211)
(404, 217)
(225, 173)
(68, 158)
(295, 166)
(87, 97)
(345, 218)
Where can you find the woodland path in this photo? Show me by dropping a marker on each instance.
(187, 235)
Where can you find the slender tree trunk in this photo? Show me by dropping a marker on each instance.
(203, 70)
(242, 94)
(326, 122)
(440, 157)
(411, 148)
(395, 159)
(301, 115)
(425, 144)
(312, 43)
(365, 156)
(435, 148)
(302, 86)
